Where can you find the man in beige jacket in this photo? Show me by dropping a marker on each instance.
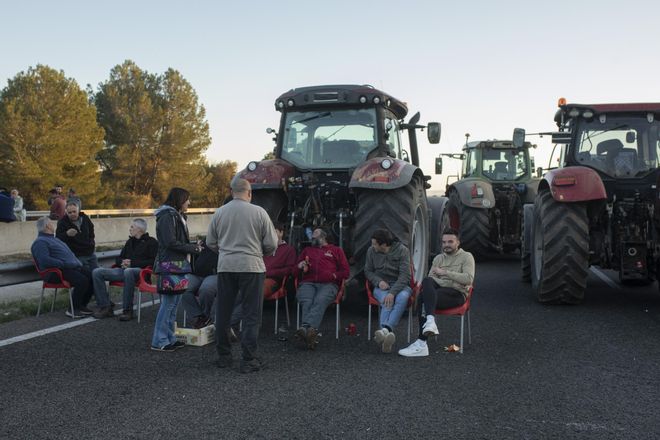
(446, 287)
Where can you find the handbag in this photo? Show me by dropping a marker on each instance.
(171, 277)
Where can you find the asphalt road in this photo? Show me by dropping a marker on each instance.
(531, 372)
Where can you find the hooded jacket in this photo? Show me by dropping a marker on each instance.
(141, 251)
(172, 234)
(459, 267)
(82, 244)
(392, 267)
(327, 264)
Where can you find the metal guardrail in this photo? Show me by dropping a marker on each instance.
(99, 213)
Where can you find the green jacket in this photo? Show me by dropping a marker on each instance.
(459, 267)
(392, 267)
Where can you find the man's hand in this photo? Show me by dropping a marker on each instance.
(439, 271)
(71, 232)
(383, 285)
(389, 300)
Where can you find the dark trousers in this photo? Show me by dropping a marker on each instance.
(435, 297)
(251, 285)
(81, 281)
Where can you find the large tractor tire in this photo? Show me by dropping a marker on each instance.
(559, 251)
(404, 212)
(273, 201)
(526, 242)
(472, 223)
(437, 206)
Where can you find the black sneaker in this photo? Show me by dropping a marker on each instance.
(178, 344)
(251, 366)
(167, 348)
(86, 311)
(224, 361)
(75, 315)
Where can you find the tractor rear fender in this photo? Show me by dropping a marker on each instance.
(373, 175)
(268, 174)
(475, 193)
(573, 184)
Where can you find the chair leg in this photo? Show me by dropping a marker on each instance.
(286, 304)
(139, 304)
(369, 325)
(409, 323)
(337, 324)
(469, 329)
(462, 329)
(277, 303)
(73, 312)
(297, 315)
(52, 303)
(185, 316)
(40, 301)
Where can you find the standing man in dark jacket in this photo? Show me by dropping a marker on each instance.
(243, 233)
(387, 268)
(77, 231)
(50, 252)
(138, 252)
(324, 268)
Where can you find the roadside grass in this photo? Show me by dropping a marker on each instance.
(23, 308)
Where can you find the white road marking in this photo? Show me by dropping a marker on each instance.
(605, 278)
(58, 328)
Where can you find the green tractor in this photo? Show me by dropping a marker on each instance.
(486, 202)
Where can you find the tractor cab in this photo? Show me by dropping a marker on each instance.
(498, 161)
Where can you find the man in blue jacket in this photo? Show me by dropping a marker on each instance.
(50, 252)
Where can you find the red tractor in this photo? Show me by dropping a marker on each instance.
(340, 163)
(600, 206)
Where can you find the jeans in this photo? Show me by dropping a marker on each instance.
(314, 299)
(251, 285)
(89, 261)
(164, 327)
(390, 316)
(128, 276)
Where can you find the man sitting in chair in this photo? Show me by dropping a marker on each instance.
(387, 268)
(280, 264)
(446, 287)
(324, 268)
(50, 252)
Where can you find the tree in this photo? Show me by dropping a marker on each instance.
(156, 132)
(217, 188)
(49, 135)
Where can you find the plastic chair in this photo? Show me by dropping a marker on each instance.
(374, 302)
(338, 299)
(61, 284)
(146, 287)
(276, 296)
(460, 311)
(116, 283)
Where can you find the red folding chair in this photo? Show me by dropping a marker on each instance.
(145, 285)
(277, 296)
(61, 284)
(338, 299)
(411, 301)
(460, 311)
(116, 283)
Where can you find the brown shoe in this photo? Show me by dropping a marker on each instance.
(312, 338)
(104, 312)
(126, 315)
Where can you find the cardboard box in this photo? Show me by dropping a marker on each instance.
(193, 336)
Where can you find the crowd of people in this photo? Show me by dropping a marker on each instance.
(244, 258)
(12, 207)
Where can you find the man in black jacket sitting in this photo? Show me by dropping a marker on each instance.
(77, 231)
(138, 252)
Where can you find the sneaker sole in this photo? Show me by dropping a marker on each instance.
(419, 354)
(162, 350)
(388, 343)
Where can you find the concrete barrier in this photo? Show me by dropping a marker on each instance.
(17, 237)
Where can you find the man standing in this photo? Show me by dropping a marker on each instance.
(138, 252)
(50, 252)
(387, 268)
(77, 231)
(446, 287)
(243, 233)
(324, 268)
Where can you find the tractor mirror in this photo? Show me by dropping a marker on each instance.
(438, 165)
(562, 137)
(433, 133)
(518, 137)
(630, 137)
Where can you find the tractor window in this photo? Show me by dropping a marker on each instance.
(620, 147)
(470, 164)
(393, 141)
(329, 139)
(504, 164)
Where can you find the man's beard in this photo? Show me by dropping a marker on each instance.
(316, 242)
(448, 250)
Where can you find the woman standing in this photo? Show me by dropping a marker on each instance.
(171, 265)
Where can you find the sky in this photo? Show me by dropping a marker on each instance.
(476, 67)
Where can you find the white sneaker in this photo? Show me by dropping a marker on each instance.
(418, 348)
(379, 335)
(429, 328)
(390, 339)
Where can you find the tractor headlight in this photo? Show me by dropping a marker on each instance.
(252, 166)
(290, 102)
(376, 100)
(588, 114)
(363, 99)
(280, 104)
(386, 164)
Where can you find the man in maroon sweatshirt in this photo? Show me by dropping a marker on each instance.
(280, 264)
(324, 268)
